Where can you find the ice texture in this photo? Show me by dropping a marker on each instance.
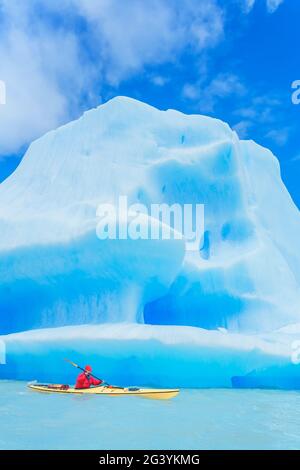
(56, 275)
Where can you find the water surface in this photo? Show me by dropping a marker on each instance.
(196, 419)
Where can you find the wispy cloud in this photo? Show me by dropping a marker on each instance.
(208, 95)
(57, 57)
(266, 114)
(296, 158)
(250, 111)
(271, 5)
(247, 5)
(44, 72)
(159, 80)
(57, 54)
(159, 31)
(242, 128)
(278, 136)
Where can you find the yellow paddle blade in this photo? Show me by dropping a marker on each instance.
(73, 363)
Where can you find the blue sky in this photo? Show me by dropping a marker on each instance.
(231, 59)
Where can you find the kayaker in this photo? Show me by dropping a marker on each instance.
(85, 379)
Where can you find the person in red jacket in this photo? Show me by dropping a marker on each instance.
(85, 379)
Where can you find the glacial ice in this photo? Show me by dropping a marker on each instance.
(149, 311)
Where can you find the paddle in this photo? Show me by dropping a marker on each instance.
(97, 378)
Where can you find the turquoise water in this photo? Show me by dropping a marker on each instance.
(196, 419)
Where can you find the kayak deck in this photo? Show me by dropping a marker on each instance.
(155, 393)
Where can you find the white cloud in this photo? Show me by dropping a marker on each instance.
(248, 5)
(296, 158)
(35, 102)
(248, 110)
(278, 136)
(159, 80)
(43, 73)
(132, 34)
(191, 91)
(260, 109)
(50, 64)
(208, 96)
(266, 113)
(272, 5)
(243, 128)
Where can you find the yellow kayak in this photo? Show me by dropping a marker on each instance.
(154, 393)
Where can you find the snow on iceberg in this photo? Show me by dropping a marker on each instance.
(165, 356)
(55, 273)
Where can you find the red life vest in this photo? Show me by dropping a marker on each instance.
(84, 381)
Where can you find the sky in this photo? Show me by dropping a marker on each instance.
(231, 59)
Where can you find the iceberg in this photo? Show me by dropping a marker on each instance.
(148, 310)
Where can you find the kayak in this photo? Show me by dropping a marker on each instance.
(154, 393)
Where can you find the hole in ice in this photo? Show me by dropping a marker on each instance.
(205, 245)
(237, 230)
